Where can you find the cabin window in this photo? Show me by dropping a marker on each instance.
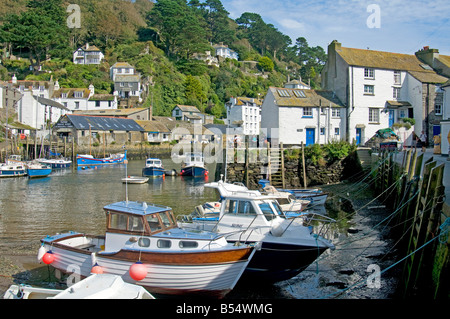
(153, 222)
(239, 207)
(163, 243)
(144, 242)
(165, 220)
(135, 224)
(118, 221)
(188, 244)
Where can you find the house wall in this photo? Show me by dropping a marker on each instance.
(270, 118)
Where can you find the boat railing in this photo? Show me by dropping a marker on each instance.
(324, 222)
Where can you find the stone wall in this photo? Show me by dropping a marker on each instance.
(328, 173)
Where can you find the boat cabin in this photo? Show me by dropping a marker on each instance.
(194, 159)
(138, 218)
(142, 226)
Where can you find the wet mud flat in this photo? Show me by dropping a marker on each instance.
(360, 235)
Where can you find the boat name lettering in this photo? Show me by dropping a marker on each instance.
(237, 225)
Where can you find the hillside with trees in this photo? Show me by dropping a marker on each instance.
(159, 38)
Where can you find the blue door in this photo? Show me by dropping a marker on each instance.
(391, 118)
(358, 136)
(310, 136)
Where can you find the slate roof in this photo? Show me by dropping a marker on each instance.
(188, 108)
(71, 93)
(391, 61)
(102, 123)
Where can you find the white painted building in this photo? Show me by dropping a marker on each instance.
(379, 88)
(244, 112)
(83, 99)
(222, 50)
(293, 116)
(88, 54)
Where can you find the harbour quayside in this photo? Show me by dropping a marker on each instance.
(143, 245)
(287, 246)
(83, 160)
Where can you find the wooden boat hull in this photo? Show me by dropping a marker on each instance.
(210, 273)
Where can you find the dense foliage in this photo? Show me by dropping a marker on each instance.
(159, 38)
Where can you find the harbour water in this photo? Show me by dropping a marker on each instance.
(73, 199)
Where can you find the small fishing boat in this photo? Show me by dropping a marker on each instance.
(13, 167)
(153, 168)
(119, 158)
(287, 245)
(144, 245)
(96, 286)
(135, 180)
(56, 162)
(36, 169)
(194, 165)
(314, 196)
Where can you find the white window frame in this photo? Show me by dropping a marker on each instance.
(397, 77)
(369, 73)
(396, 92)
(374, 115)
(369, 89)
(307, 112)
(438, 109)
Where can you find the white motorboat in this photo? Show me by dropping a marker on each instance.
(143, 245)
(13, 167)
(287, 246)
(96, 286)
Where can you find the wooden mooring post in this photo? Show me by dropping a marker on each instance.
(419, 218)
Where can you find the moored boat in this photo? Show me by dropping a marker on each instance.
(153, 168)
(135, 180)
(96, 286)
(194, 165)
(13, 167)
(144, 245)
(36, 170)
(56, 162)
(287, 245)
(91, 160)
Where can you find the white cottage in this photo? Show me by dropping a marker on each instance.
(293, 116)
(88, 54)
(379, 88)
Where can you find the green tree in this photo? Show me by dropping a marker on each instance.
(266, 64)
(41, 30)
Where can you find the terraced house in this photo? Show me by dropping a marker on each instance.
(379, 88)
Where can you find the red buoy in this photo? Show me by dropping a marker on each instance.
(97, 269)
(138, 271)
(48, 257)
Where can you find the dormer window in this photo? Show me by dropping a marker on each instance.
(78, 94)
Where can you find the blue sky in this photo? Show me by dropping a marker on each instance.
(404, 26)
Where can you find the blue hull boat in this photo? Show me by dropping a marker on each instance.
(194, 165)
(194, 171)
(90, 160)
(153, 171)
(14, 167)
(38, 170)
